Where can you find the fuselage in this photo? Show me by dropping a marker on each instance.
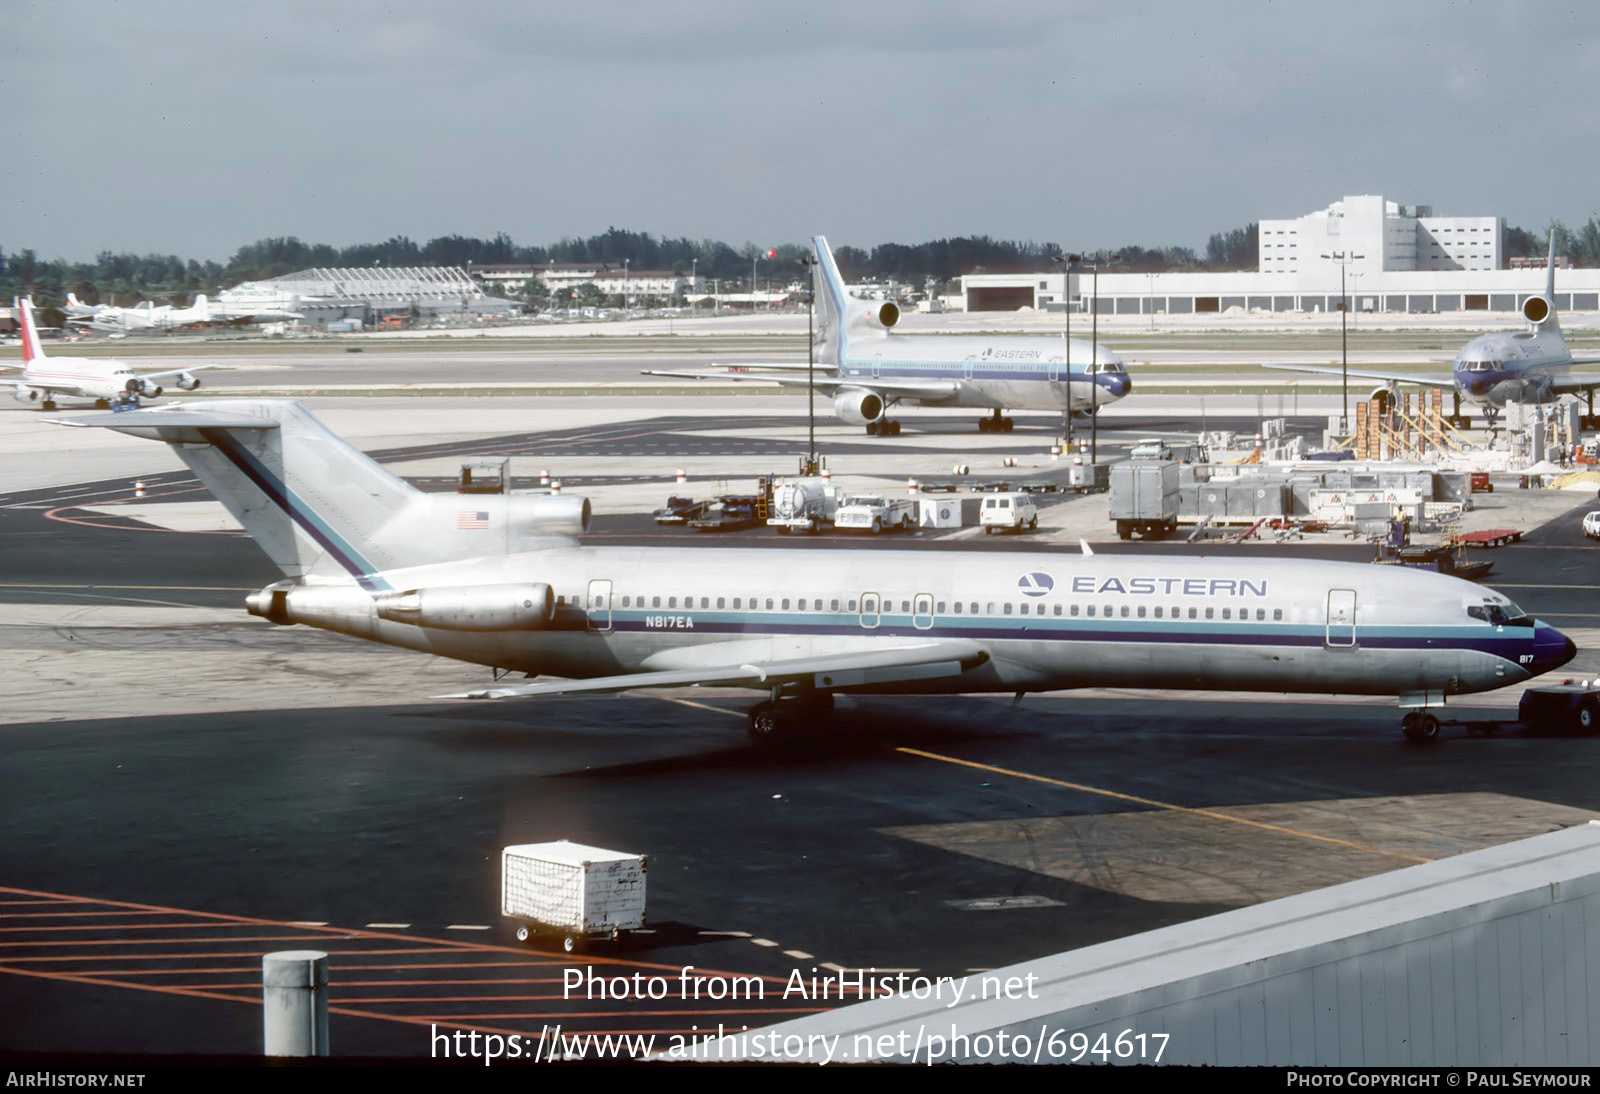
(84, 377)
(1512, 366)
(1023, 373)
(1035, 622)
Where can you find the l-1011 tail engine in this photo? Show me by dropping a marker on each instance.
(883, 316)
(858, 407)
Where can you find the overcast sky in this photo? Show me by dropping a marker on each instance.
(191, 127)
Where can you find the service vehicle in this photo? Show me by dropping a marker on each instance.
(579, 892)
(1010, 512)
(803, 504)
(875, 514)
(1591, 525)
(1151, 448)
(1572, 706)
(1144, 498)
(681, 511)
(729, 513)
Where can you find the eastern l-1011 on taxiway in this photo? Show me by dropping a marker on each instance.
(502, 581)
(866, 367)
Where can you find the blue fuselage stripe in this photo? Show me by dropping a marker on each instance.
(280, 495)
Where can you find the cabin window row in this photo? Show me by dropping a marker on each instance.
(1090, 611)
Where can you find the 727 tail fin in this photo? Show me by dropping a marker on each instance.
(323, 510)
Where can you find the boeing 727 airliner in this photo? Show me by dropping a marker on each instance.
(866, 368)
(502, 581)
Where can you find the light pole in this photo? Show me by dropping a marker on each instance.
(625, 289)
(1344, 258)
(1066, 261)
(1150, 300)
(694, 283)
(810, 262)
(1094, 364)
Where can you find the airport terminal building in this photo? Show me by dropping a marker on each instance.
(1394, 258)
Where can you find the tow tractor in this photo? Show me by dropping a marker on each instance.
(1572, 706)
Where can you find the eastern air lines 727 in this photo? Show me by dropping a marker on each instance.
(866, 368)
(503, 581)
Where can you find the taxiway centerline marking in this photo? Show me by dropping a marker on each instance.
(1209, 813)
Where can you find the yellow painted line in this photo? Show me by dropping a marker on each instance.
(702, 706)
(1159, 804)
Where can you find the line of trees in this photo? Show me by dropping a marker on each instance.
(126, 279)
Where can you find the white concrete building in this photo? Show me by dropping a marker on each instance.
(1394, 258)
(1375, 236)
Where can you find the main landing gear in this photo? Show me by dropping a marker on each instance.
(776, 718)
(995, 423)
(1420, 726)
(883, 427)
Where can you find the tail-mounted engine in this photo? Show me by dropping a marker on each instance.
(472, 607)
(882, 316)
(1536, 309)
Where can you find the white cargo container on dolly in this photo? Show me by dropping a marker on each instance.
(570, 889)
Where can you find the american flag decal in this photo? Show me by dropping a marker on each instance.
(472, 520)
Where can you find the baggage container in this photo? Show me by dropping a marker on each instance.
(573, 890)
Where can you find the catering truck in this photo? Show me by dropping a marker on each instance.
(577, 892)
(1144, 498)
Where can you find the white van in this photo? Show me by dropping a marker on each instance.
(1008, 513)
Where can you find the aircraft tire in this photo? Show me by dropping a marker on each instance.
(872, 429)
(983, 425)
(47, 404)
(877, 525)
(764, 722)
(1420, 726)
(523, 933)
(1033, 524)
(894, 429)
(1006, 425)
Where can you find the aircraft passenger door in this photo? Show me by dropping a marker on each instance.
(877, 365)
(600, 607)
(922, 611)
(1341, 618)
(869, 609)
(1056, 369)
(966, 369)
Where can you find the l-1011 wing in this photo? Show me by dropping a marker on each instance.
(828, 384)
(1445, 381)
(828, 671)
(1572, 385)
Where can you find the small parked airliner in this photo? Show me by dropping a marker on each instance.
(98, 378)
(866, 368)
(502, 581)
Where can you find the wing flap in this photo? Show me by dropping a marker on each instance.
(1567, 385)
(915, 661)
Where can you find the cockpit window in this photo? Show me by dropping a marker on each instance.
(1506, 614)
(1107, 366)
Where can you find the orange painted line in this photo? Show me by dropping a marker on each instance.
(125, 926)
(440, 944)
(185, 956)
(178, 941)
(61, 915)
(172, 972)
(105, 983)
(595, 1013)
(2, 902)
(366, 967)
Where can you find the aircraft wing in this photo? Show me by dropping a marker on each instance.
(1388, 377)
(1571, 385)
(827, 384)
(173, 372)
(852, 668)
